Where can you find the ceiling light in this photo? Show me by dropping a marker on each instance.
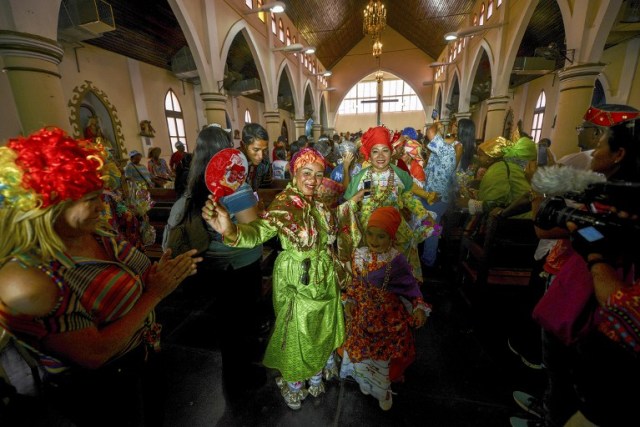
(273, 7)
(328, 89)
(324, 74)
(296, 47)
(468, 31)
(375, 18)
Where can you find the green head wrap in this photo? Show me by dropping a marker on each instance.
(523, 149)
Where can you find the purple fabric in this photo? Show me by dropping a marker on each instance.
(401, 282)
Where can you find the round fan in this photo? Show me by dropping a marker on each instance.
(226, 172)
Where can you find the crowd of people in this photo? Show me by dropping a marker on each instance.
(358, 228)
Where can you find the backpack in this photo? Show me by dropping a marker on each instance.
(184, 232)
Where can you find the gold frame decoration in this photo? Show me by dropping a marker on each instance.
(74, 104)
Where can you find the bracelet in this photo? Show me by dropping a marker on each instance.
(593, 262)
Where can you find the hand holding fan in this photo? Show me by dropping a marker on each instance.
(226, 172)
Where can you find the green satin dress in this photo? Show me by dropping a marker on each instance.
(309, 319)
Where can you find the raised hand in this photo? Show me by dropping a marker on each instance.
(218, 218)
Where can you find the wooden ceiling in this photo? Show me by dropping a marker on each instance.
(148, 31)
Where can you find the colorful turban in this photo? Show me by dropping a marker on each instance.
(387, 219)
(375, 136)
(494, 147)
(523, 149)
(604, 116)
(414, 149)
(48, 167)
(304, 157)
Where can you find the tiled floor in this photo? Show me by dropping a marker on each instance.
(464, 374)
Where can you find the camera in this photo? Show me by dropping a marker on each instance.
(593, 224)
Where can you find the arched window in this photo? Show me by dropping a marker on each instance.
(274, 24)
(249, 3)
(281, 27)
(482, 14)
(499, 3)
(294, 40)
(489, 9)
(288, 37)
(538, 117)
(475, 19)
(367, 90)
(247, 116)
(175, 121)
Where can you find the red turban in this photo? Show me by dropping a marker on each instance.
(375, 136)
(387, 219)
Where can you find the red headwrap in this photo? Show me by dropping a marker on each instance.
(387, 219)
(375, 136)
(306, 156)
(601, 117)
(57, 167)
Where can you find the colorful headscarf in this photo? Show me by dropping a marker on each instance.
(306, 156)
(386, 218)
(48, 167)
(495, 147)
(375, 136)
(414, 149)
(523, 149)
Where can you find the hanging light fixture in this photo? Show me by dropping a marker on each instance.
(375, 18)
(379, 76)
(377, 48)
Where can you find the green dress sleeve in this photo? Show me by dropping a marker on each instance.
(252, 234)
(352, 189)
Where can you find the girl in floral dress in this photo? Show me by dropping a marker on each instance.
(391, 186)
(382, 304)
(309, 322)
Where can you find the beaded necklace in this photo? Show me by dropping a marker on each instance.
(378, 198)
(385, 282)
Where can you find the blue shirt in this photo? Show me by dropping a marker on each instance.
(441, 167)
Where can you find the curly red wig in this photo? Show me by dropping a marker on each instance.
(57, 167)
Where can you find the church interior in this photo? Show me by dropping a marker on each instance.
(141, 74)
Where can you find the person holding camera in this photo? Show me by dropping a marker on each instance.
(581, 384)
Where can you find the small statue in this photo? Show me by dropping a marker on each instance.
(146, 129)
(92, 131)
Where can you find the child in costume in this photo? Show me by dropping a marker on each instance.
(382, 304)
(309, 323)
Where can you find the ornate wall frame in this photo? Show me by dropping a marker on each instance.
(75, 104)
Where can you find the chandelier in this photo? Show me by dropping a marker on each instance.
(379, 76)
(377, 48)
(375, 18)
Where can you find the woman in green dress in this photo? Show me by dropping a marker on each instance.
(309, 322)
(387, 185)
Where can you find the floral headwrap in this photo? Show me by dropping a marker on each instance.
(375, 136)
(386, 218)
(46, 168)
(413, 149)
(304, 157)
